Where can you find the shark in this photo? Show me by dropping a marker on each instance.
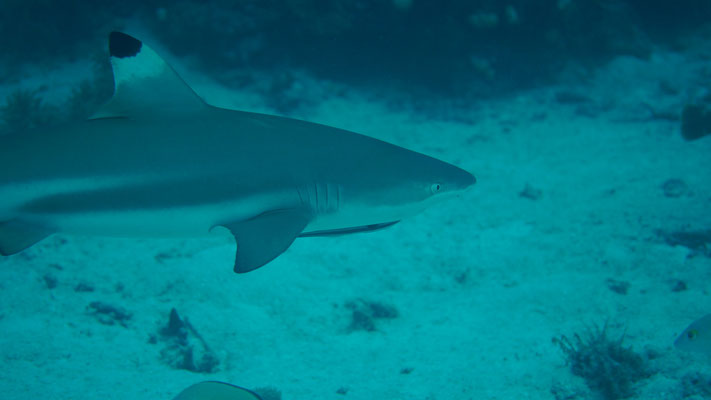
(158, 161)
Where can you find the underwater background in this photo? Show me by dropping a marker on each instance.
(567, 272)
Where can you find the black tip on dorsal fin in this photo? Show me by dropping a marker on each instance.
(122, 45)
(144, 85)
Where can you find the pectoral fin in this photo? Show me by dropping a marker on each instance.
(16, 236)
(264, 237)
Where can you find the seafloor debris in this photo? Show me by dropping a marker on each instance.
(562, 391)
(677, 285)
(83, 287)
(529, 192)
(364, 313)
(697, 241)
(184, 347)
(268, 393)
(617, 286)
(675, 188)
(607, 366)
(50, 281)
(696, 384)
(108, 314)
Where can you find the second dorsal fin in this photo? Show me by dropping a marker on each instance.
(144, 84)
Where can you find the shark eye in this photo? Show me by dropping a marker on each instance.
(436, 187)
(692, 334)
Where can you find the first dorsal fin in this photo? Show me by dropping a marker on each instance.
(145, 85)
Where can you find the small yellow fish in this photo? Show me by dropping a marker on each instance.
(696, 337)
(213, 390)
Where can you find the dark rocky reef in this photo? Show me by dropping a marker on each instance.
(449, 47)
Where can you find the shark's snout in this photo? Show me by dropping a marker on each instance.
(469, 179)
(461, 179)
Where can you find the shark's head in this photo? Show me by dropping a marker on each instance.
(403, 184)
(425, 181)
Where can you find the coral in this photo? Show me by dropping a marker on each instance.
(184, 347)
(91, 93)
(25, 110)
(607, 366)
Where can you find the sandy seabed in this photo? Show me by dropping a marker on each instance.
(570, 195)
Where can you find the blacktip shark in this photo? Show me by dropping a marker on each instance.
(214, 390)
(158, 161)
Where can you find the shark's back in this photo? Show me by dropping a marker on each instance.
(247, 147)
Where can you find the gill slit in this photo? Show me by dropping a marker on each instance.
(321, 197)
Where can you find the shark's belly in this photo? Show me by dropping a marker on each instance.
(75, 214)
